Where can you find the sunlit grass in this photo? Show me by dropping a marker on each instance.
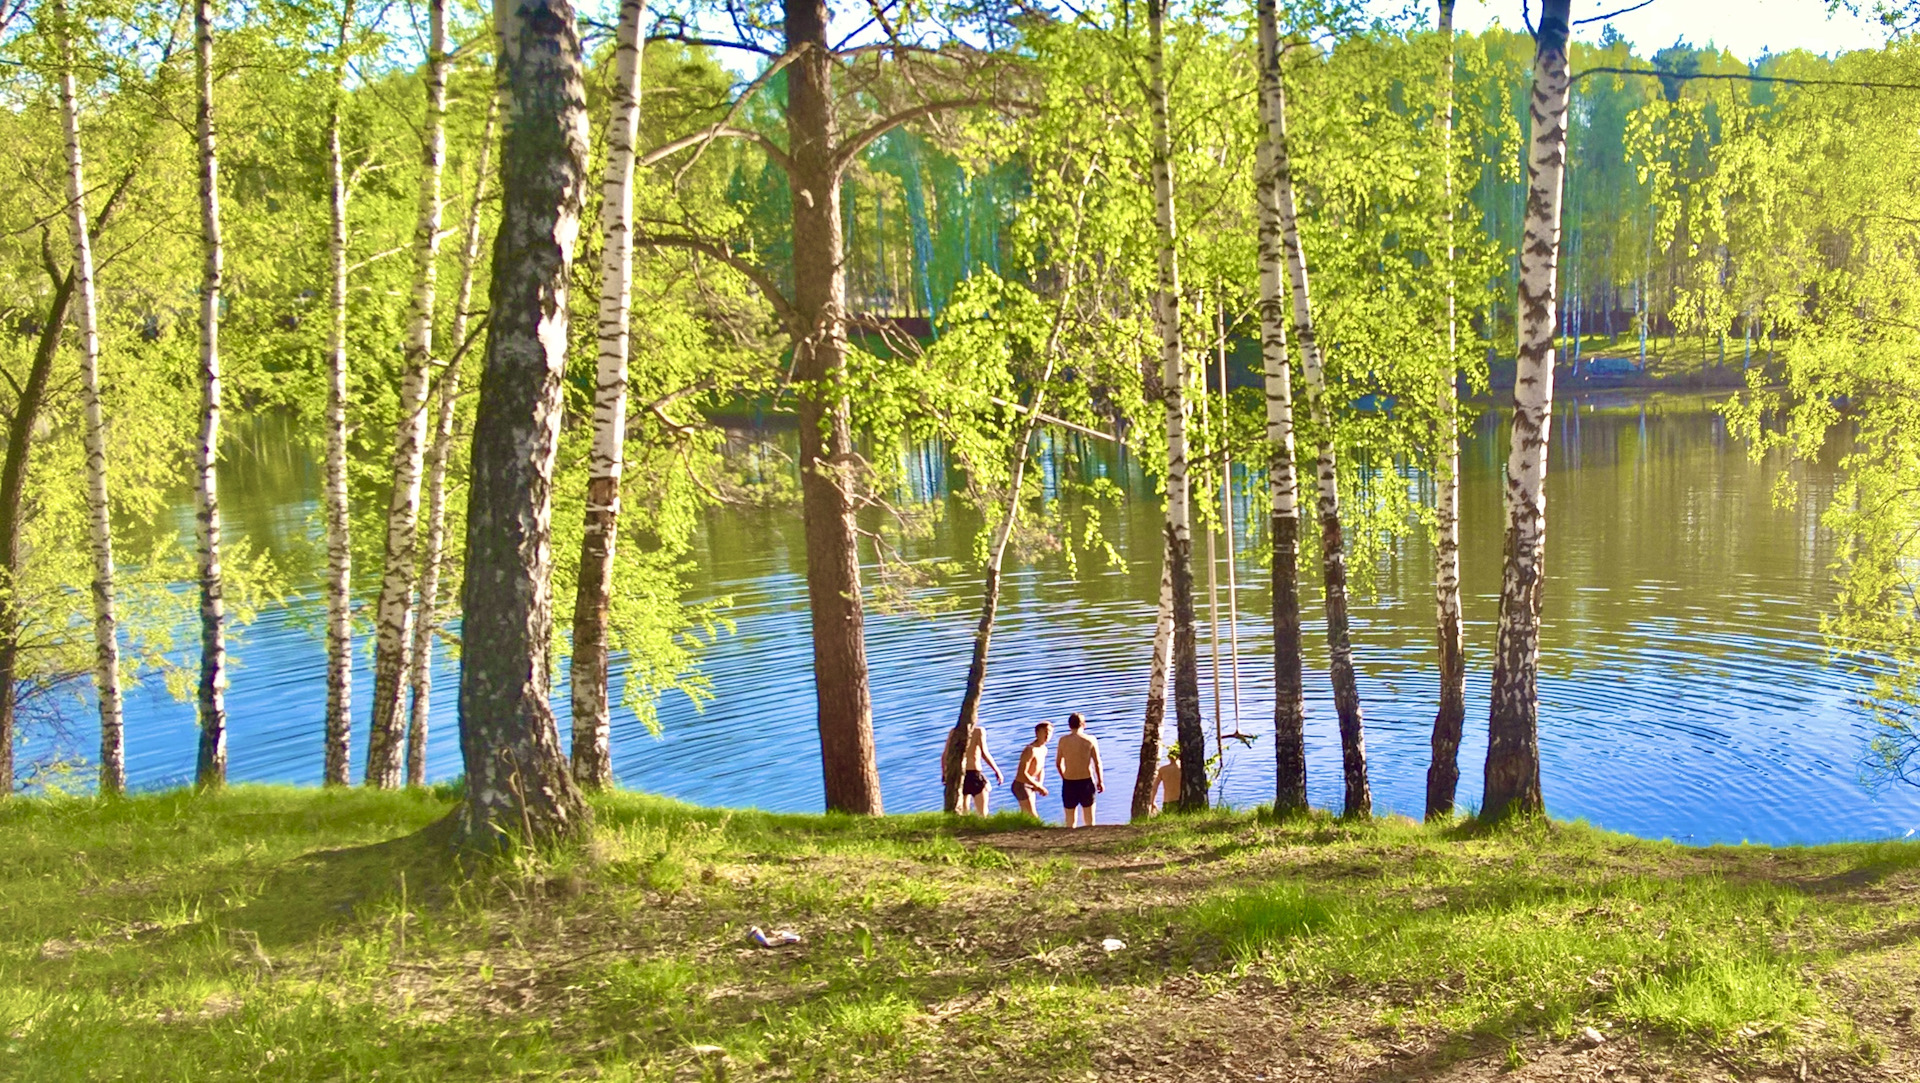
(326, 935)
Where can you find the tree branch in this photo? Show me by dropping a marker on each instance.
(1736, 77)
(849, 150)
(718, 131)
(714, 250)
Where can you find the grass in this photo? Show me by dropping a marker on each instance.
(307, 935)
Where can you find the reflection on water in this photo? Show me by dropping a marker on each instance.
(1684, 688)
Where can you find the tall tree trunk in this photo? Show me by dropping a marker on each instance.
(1443, 776)
(211, 767)
(849, 769)
(1010, 515)
(426, 618)
(395, 611)
(1513, 723)
(339, 588)
(1283, 483)
(1156, 720)
(106, 656)
(517, 778)
(1333, 544)
(1179, 534)
(592, 724)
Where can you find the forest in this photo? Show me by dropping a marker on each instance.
(542, 293)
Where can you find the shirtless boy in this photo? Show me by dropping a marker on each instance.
(1081, 775)
(973, 784)
(1166, 782)
(1029, 777)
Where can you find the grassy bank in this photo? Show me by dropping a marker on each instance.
(291, 934)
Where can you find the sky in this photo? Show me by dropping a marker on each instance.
(1747, 28)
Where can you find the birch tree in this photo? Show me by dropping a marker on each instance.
(339, 577)
(1443, 775)
(1179, 534)
(1010, 513)
(394, 612)
(211, 765)
(592, 724)
(1156, 720)
(518, 784)
(1513, 723)
(106, 667)
(426, 618)
(1333, 548)
(1283, 485)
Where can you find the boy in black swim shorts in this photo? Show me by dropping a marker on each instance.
(1081, 774)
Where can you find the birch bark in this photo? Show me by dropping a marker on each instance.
(426, 619)
(339, 585)
(1513, 723)
(1179, 534)
(106, 664)
(518, 785)
(211, 766)
(1283, 483)
(1443, 775)
(592, 724)
(1150, 732)
(394, 613)
(1333, 546)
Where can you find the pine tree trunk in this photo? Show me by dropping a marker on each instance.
(394, 614)
(518, 785)
(1513, 723)
(1443, 775)
(1283, 483)
(426, 618)
(339, 585)
(1150, 749)
(106, 664)
(849, 770)
(592, 724)
(211, 766)
(1333, 545)
(1179, 534)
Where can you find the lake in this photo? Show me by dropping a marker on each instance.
(1685, 690)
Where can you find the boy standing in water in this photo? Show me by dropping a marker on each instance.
(973, 784)
(1029, 777)
(1166, 782)
(1081, 775)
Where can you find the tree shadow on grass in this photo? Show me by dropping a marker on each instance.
(305, 898)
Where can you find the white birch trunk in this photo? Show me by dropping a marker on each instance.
(1333, 548)
(1443, 775)
(1155, 723)
(592, 722)
(1513, 724)
(393, 615)
(1283, 483)
(1179, 534)
(211, 765)
(106, 661)
(517, 784)
(426, 618)
(339, 584)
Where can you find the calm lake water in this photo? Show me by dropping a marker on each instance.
(1685, 692)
